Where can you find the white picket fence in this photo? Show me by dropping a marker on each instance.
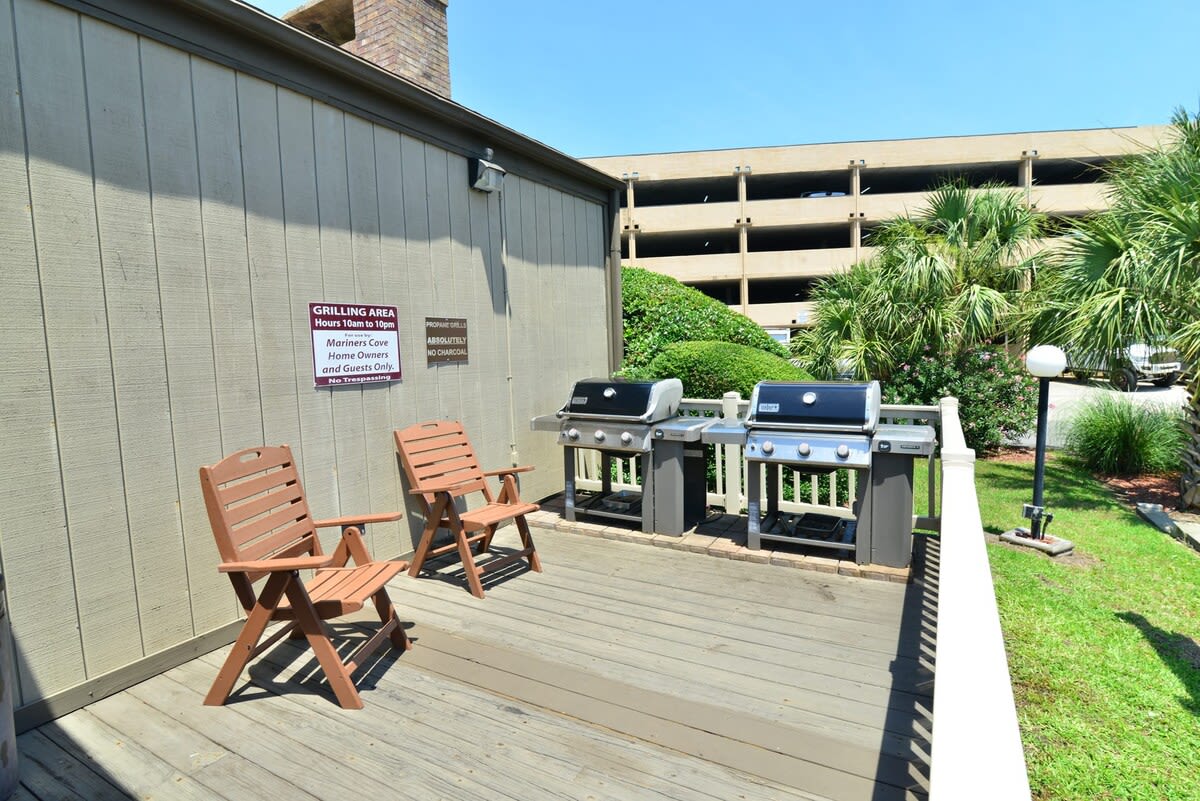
(831, 493)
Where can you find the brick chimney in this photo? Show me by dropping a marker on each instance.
(407, 37)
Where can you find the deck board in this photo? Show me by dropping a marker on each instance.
(689, 656)
(714, 733)
(443, 726)
(622, 672)
(47, 771)
(123, 762)
(744, 633)
(655, 663)
(251, 730)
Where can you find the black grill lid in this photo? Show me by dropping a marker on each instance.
(618, 398)
(814, 405)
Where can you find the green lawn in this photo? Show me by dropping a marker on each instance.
(1103, 647)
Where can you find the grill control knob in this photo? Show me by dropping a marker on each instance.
(804, 449)
(572, 433)
(599, 435)
(610, 393)
(843, 451)
(768, 447)
(626, 438)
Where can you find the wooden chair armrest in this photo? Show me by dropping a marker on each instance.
(525, 468)
(435, 487)
(365, 520)
(276, 565)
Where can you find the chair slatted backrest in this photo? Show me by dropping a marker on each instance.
(257, 509)
(439, 452)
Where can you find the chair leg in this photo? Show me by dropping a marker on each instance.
(535, 562)
(468, 562)
(426, 543)
(256, 623)
(387, 615)
(327, 656)
(472, 571)
(486, 543)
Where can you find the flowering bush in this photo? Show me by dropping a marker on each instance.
(997, 399)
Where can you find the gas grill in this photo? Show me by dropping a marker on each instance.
(816, 428)
(621, 419)
(823, 426)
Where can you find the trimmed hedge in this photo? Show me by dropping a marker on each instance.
(710, 369)
(658, 310)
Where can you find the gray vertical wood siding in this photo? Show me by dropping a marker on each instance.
(164, 222)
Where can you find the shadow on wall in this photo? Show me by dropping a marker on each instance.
(58, 759)
(172, 218)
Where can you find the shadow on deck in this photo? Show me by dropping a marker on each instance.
(620, 672)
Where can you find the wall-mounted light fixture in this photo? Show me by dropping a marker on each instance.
(486, 175)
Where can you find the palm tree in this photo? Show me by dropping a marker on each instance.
(945, 279)
(1132, 273)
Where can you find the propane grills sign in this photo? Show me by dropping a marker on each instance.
(354, 343)
(445, 340)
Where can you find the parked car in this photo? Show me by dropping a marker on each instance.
(1138, 362)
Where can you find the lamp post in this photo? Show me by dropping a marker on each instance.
(1044, 362)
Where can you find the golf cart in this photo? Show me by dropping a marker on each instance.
(1138, 362)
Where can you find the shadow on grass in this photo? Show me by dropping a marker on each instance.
(1067, 486)
(1178, 652)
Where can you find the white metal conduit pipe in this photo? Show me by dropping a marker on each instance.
(977, 751)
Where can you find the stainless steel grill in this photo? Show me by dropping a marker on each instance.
(816, 428)
(615, 415)
(621, 419)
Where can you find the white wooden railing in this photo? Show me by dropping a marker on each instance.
(976, 741)
(831, 493)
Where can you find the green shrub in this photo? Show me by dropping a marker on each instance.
(997, 399)
(710, 369)
(1114, 436)
(658, 310)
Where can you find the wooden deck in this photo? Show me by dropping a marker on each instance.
(621, 672)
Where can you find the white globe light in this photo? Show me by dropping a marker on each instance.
(1045, 361)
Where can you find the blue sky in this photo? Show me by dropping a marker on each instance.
(615, 77)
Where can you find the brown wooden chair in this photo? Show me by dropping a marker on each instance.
(263, 529)
(441, 467)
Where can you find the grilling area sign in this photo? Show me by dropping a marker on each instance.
(445, 340)
(354, 343)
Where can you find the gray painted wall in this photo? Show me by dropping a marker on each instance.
(164, 222)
